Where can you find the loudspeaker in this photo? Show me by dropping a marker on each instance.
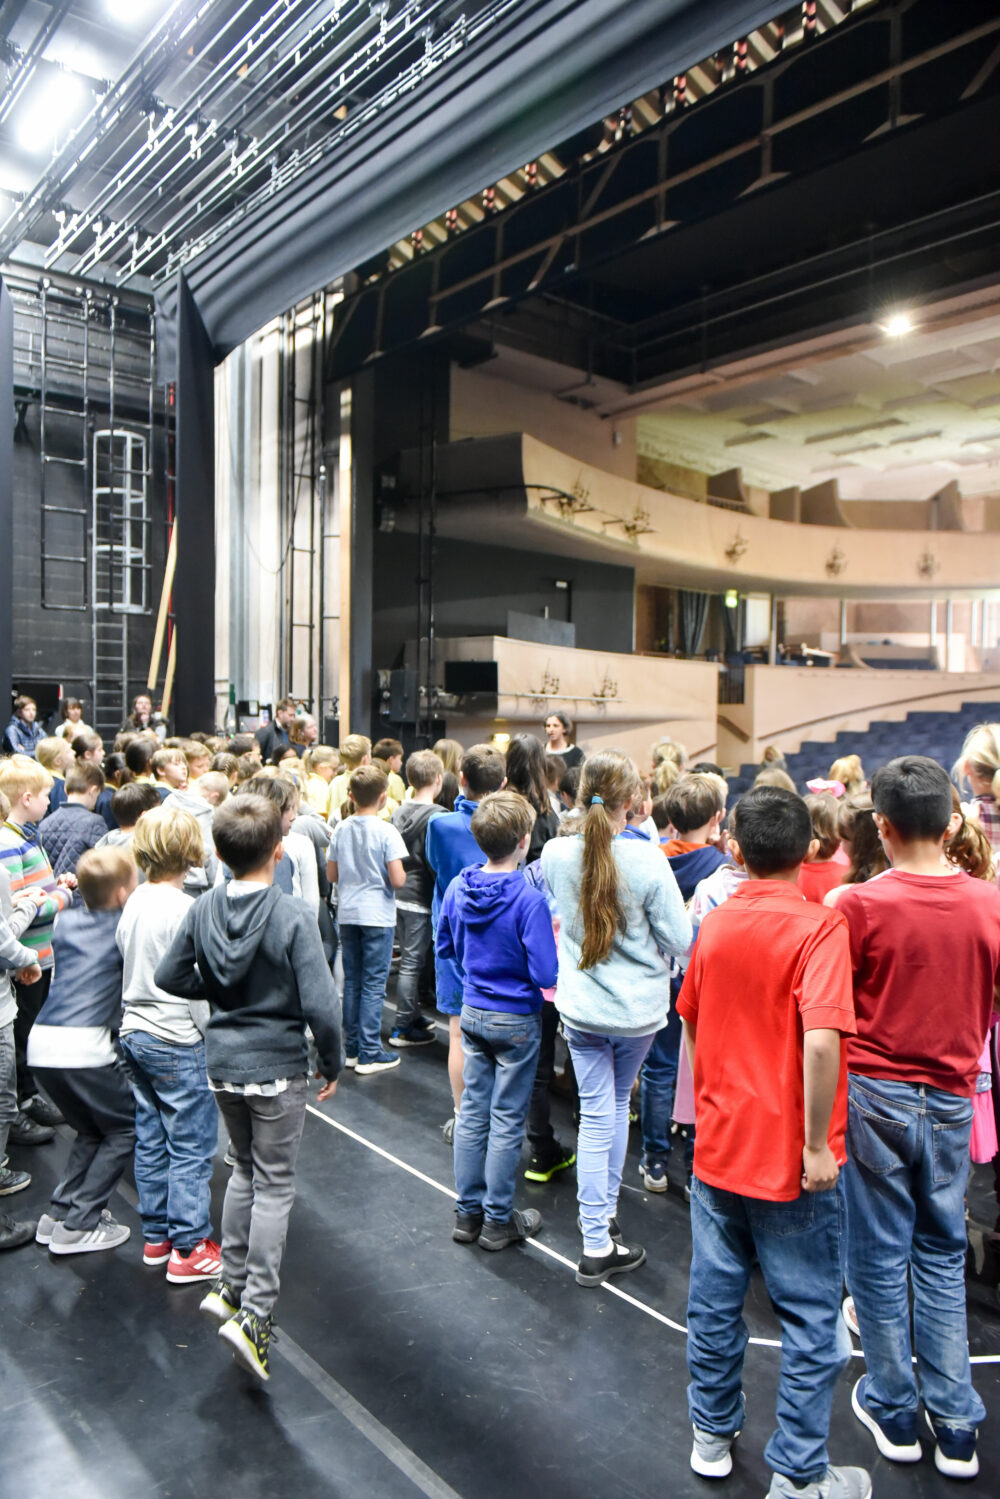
(331, 732)
(403, 697)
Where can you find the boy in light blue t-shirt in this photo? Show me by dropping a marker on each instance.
(365, 862)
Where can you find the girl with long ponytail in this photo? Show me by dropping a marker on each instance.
(621, 917)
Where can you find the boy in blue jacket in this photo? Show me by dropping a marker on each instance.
(449, 847)
(498, 929)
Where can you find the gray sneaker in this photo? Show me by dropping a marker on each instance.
(836, 1483)
(711, 1453)
(106, 1235)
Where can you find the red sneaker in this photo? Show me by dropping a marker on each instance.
(156, 1254)
(203, 1262)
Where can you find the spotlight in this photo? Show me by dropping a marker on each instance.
(898, 325)
(52, 109)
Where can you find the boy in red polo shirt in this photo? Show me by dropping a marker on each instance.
(766, 1004)
(925, 948)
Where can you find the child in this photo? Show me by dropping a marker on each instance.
(365, 862)
(765, 1004)
(169, 769)
(129, 803)
(57, 756)
(619, 913)
(355, 751)
(75, 826)
(640, 813)
(449, 847)
(200, 799)
(176, 1121)
(425, 773)
(197, 758)
(72, 1055)
(694, 806)
(497, 928)
(256, 956)
(26, 785)
(139, 757)
(319, 766)
(19, 960)
(925, 948)
(820, 875)
(390, 752)
(296, 873)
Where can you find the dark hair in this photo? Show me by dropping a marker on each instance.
(115, 766)
(138, 754)
(386, 749)
(448, 795)
(225, 763)
(483, 769)
(526, 771)
(500, 822)
(569, 783)
(773, 829)
(275, 789)
(240, 744)
(131, 800)
(706, 768)
(366, 785)
(823, 815)
(856, 826)
(82, 777)
(84, 743)
(563, 718)
(21, 702)
(245, 830)
(279, 752)
(914, 794)
(68, 703)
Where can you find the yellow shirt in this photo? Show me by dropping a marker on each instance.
(396, 788)
(317, 793)
(338, 796)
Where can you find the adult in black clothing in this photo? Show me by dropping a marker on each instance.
(557, 730)
(526, 774)
(270, 735)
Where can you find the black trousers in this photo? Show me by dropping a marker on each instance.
(97, 1102)
(30, 998)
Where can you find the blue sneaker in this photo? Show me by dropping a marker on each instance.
(955, 1449)
(895, 1436)
(382, 1061)
(413, 1035)
(654, 1176)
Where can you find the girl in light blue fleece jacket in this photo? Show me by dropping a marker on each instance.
(621, 918)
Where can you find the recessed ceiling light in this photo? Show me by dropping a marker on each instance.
(898, 325)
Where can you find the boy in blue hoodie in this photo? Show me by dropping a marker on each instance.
(694, 806)
(449, 847)
(498, 929)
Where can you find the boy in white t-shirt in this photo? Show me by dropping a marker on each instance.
(365, 862)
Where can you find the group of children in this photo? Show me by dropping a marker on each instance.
(827, 1038)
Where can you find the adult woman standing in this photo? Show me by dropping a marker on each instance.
(621, 915)
(557, 729)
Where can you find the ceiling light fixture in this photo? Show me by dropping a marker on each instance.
(898, 325)
(51, 111)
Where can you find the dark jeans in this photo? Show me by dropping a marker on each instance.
(800, 1246)
(501, 1052)
(413, 930)
(176, 1133)
(264, 1136)
(30, 998)
(367, 955)
(97, 1103)
(658, 1084)
(541, 1135)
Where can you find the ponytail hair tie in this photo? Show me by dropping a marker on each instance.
(597, 801)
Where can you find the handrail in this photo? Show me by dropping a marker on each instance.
(908, 701)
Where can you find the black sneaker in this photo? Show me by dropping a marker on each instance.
(519, 1226)
(542, 1168)
(12, 1181)
(221, 1302)
(249, 1335)
(14, 1234)
(594, 1269)
(468, 1227)
(42, 1111)
(25, 1131)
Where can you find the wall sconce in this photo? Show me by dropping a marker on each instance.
(737, 547)
(835, 563)
(927, 565)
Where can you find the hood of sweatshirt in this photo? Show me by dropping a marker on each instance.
(482, 898)
(231, 929)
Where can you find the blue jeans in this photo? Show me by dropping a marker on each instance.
(800, 1246)
(501, 1055)
(905, 1194)
(176, 1134)
(659, 1082)
(367, 955)
(605, 1067)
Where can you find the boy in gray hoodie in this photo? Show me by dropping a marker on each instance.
(255, 955)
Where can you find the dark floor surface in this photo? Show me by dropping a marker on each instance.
(405, 1364)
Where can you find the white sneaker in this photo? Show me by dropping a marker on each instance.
(107, 1235)
(46, 1226)
(849, 1313)
(836, 1483)
(351, 1062)
(711, 1454)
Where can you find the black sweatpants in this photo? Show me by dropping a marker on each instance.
(30, 998)
(97, 1102)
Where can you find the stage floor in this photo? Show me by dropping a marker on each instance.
(405, 1364)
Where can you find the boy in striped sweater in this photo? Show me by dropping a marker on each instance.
(26, 785)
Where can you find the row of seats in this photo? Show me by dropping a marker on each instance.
(940, 735)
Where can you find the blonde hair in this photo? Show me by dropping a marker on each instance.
(450, 753)
(167, 842)
(101, 872)
(167, 756)
(665, 774)
(774, 776)
(54, 752)
(21, 774)
(849, 771)
(354, 749)
(772, 755)
(213, 781)
(609, 779)
(981, 753)
(4, 808)
(320, 754)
